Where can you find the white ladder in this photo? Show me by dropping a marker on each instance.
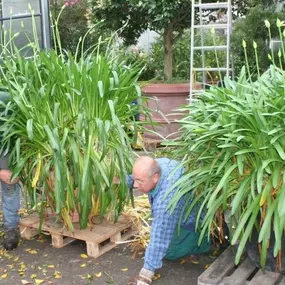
(198, 8)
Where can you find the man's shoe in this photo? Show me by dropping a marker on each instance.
(11, 239)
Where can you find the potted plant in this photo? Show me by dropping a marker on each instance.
(67, 129)
(233, 150)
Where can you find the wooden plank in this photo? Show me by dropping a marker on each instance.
(266, 278)
(98, 233)
(93, 249)
(240, 275)
(151, 144)
(218, 269)
(100, 238)
(59, 241)
(28, 233)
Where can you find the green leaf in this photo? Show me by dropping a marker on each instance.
(247, 232)
(267, 221)
(30, 129)
(252, 208)
(242, 191)
(279, 150)
(222, 182)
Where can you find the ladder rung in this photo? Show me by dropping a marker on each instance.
(218, 5)
(209, 48)
(211, 69)
(212, 26)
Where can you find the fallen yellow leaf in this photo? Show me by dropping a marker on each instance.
(50, 266)
(57, 275)
(33, 276)
(39, 281)
(124, 269)
(10, 266)
(156, 276)
(207, 265)
(83, 255)
(99, 274)
(21, 273)
(183, 261)
(83, 265)
(3, 276)
(25, 282)
(32, 251)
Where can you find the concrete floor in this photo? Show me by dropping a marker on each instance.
(37, 260)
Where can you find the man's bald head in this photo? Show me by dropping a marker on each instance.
(148, 164)
(146, 173)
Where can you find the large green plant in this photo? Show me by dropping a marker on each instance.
(67, 129)
(233, 150)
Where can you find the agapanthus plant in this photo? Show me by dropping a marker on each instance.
(233, 150)
(68, 127)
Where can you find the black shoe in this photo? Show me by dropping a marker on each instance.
(11, 239)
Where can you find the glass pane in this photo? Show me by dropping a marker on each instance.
(19, 7)
(25, 34)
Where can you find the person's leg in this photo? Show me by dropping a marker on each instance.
(10, 205)
(185, 242)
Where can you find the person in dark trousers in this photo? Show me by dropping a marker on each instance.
(10, 205)
(10, 197)
(155, 177)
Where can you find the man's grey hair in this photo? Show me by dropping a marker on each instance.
(155, 169)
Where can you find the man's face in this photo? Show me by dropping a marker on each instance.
(143, 181)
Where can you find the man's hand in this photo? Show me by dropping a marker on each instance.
(6, 175)
(144, 278)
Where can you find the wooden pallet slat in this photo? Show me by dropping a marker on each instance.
(265, 278)
(223, 272)
(218, 269)
(241, 274)
(152, 144)
(59, 241)
(100, 238)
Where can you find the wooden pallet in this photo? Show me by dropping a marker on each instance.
(99, 239)
(224, 272)
(152, 144)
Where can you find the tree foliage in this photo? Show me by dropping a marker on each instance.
(73, 23)
(166, 17)
(251, 28)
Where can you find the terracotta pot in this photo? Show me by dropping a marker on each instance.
(163, 100)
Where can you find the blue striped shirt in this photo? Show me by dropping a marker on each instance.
(164, 223)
